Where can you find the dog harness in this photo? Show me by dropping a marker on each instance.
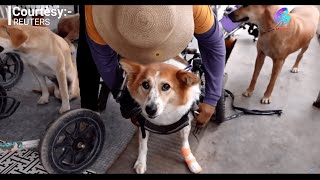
(166, 129)
(147, 125)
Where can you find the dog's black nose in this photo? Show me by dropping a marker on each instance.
(151, 109)
(1, 49)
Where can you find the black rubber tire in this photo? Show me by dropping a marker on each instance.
(103, 97)
(219, 115)
(220, 109)
(90, 144)
(3, 99)
(17, 70)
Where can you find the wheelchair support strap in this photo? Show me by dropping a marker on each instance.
(248, 111)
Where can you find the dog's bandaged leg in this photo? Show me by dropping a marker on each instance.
(186, 151)
(141, 164)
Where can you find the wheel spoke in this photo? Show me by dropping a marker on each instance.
(64, 154)
(73, 157)
(68, 136)
(5, 60)
(3, 75)
(11, 64)
(64, 143)
(76, 130)
(10, 72)
(84, 132)
(60, 145)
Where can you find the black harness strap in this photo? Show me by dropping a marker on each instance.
(164, 130)
(248, 111)
(168, 129)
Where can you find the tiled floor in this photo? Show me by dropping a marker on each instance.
(23, 162)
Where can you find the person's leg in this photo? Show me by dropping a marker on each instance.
(89, 77)
(107, 63)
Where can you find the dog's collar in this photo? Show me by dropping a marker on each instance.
(164, 130)
(275, 27)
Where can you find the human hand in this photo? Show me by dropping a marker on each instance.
(205, 113)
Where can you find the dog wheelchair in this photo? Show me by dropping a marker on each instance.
(69, 144)
(11, 66)
(11, 70)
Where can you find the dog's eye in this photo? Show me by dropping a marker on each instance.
(145, 85)
(165, 87)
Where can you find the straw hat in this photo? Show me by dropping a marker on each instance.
(145, 33)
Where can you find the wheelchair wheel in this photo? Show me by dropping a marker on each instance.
(3, 99)
(220, 114)
(72, 142)
(103, 97)
(220, 109)
(11, 70)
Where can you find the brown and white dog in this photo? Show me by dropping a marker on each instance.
(278, 44)
(47, 55)
(165, 93)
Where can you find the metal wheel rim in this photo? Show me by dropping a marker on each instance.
(6, 68)
(76, 145)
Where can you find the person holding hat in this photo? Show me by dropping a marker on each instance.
(148, 34)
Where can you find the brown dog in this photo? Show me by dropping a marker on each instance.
(69, 27)
(278, 44)
(47, 55)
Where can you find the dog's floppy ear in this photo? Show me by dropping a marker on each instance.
(129, 67)
(187, 78)
(17, 36)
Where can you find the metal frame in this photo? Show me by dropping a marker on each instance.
(13, 146)
(6, 147)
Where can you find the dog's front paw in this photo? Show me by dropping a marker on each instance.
(265, 100)
(64, 109)
(43, 100)
(140, 167)
(294, 70)
(195, 167)
(247, 93)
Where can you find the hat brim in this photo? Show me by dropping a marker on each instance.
(104, 21)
